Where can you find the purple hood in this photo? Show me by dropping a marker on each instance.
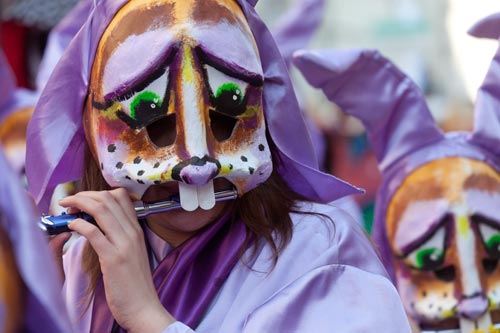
(56, 138)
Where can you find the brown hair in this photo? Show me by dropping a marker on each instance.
(271, 223)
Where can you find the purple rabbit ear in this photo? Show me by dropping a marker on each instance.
(369, 87)
(252, 2)
(489, 27)
(60, 37)
(487, 109)
(294, 30)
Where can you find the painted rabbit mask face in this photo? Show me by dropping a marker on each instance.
(176, 95)
(443, 225)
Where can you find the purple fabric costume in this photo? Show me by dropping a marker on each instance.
(328, 278)
(337, 282)
(189, 277)
(44, 311)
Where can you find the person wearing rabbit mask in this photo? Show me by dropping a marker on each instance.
(436, 219)
(184, 99)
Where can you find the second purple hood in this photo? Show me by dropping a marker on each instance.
(399, 125)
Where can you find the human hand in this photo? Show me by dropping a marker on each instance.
(119, 243)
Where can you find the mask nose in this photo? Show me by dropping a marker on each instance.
(196, 171)
(473, 307)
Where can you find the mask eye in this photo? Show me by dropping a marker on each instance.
(429, 258)
(227, 93)
(493, 245)
(229, 96)
(430, 255)
(146, 102)
(489, 235)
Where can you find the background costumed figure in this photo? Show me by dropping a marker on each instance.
(30, 285)
(437, 219)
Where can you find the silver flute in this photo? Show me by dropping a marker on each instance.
(53, 225)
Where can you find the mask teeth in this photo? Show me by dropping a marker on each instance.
(206, 195)
(188, 195)
(483, 324)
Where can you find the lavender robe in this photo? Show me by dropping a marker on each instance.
(328, 279)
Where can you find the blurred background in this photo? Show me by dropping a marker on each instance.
(427, 39)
